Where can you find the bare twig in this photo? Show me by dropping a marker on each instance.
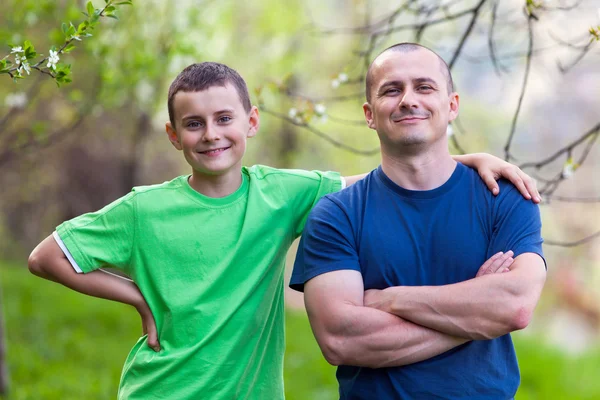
(574, 243)
(507, 155)
(565, 150)
(467, 33)
(322, 135)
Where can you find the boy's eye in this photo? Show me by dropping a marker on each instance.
(194, 124)
(225, 118)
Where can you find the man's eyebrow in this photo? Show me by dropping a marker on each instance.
(425, 80)
(391, 83)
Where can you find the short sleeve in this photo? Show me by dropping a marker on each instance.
(103, 238)
(516, 225)
(327, 245)
(315, 185)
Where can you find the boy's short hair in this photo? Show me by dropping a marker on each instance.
(201, 76)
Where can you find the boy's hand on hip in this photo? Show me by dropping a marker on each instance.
(149, 327)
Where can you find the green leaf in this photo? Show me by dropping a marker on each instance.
(124, 3)
(68, 48)
(90, 8)
(113, 16)
(64, 28)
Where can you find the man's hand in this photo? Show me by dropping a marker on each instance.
(499, 262)
(149, 326)
(491, 168)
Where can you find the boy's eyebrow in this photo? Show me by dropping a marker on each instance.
(193, 116)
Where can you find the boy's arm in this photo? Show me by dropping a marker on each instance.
(49, 262)
(490, 168)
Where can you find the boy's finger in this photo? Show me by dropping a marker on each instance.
(490, 182)
(153, 339)
(531, 187)
(516, 180)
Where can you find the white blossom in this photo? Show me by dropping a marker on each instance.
(322, 119)
(343, 77)
(449, 130)
(52, 59)
(20, 59)
(24, 66)
(292, 113)
(17, 49)
(298, 120)
(16, 100)
(568, 170)
(320, 109)
(335, 83)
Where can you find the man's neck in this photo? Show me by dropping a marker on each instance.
(418, 170)
(216, 186)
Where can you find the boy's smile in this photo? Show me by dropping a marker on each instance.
(211, 129)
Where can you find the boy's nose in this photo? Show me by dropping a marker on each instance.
(210, 134)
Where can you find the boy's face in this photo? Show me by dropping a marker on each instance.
(211, 128)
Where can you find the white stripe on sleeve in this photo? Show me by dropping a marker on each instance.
(66, 252)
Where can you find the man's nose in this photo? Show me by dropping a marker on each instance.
(408, 99)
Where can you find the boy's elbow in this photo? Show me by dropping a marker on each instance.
(34, 263)
(37, 263)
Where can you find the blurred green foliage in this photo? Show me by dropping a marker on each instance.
(63, 345)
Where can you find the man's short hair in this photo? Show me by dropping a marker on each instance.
(408, 47)
(201, 76)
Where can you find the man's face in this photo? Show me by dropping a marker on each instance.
(211, 129)
(410, 104)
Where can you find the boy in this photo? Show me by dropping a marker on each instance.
(207, 251)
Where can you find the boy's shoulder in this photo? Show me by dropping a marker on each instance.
(270, 174)
(174, 184)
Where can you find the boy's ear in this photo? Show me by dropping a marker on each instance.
(254, 122)
(172, 134)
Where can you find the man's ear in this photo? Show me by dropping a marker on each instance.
(172, 134)
(253, 121)
(368, 115)
(454, 102)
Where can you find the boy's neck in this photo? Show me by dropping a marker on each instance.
(216, 186)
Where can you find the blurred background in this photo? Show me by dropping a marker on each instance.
(528, 74)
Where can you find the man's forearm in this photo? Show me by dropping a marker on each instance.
(482, 308)
(367, 337)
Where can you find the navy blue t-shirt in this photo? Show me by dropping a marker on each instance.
(399, 237)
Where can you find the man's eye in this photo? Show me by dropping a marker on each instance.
(425, 87)
(392, 91)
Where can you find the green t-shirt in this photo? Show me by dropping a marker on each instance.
(211, 270)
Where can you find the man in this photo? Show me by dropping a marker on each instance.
(416, 234)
